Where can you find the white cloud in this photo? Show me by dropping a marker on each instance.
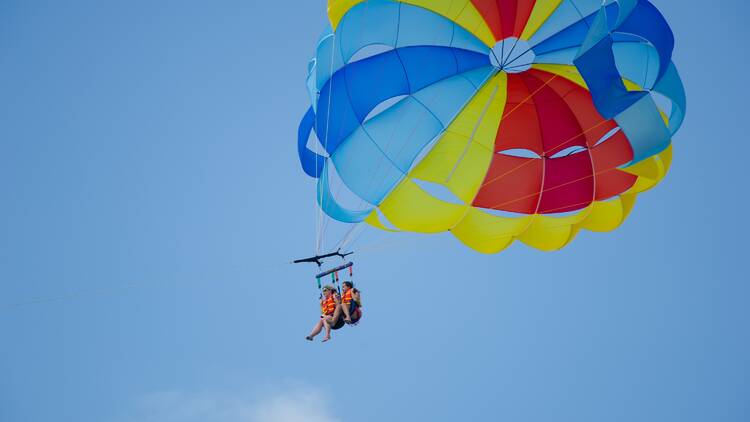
(297, 405)
(307, 406)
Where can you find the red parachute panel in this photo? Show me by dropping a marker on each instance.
(547, 114)
(505, 18)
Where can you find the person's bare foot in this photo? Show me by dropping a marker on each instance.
(348, 320)
(309, 338)
(325, 339)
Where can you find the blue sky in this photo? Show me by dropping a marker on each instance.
(150, 195)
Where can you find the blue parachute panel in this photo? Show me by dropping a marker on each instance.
(375, 80)
(353, 92)
(425, 66)
(597, 66)
(311, 162)
(646, 22)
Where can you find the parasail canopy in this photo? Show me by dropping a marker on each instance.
(495, 120)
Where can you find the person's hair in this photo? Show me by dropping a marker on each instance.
(348, 283)
(328, 287)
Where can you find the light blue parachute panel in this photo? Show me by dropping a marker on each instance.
(327, 60)
(330, 206)
(598, 29)
(566, 14)
(312, 89)
(421, 30)
(446, 98)
(671, 87)
(564, 56)
(419, 26)
(364, 168)
(389, 24)
(479, 76)
(400, 131)
(644, 128)
(575, 34)
(366, 24)
(637, 62)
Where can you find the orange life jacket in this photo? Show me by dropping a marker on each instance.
(328, 305)
(346, 298)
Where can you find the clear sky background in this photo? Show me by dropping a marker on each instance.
(150, 194)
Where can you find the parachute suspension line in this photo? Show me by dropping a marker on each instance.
(320, 201)
(343, 243)
(492, 51)
(538, 201)
(327, 221)
(473, 133)
(510, 52)
(516, 66)
(357, 237)
(507, 65)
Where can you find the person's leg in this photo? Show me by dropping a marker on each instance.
(356, 315)
(336, 314)
(316, 330)
(327, 323)
(347, 313)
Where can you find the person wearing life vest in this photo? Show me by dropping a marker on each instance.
(330, 305)
(351, 303)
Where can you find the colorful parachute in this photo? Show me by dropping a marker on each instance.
(492, 119)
